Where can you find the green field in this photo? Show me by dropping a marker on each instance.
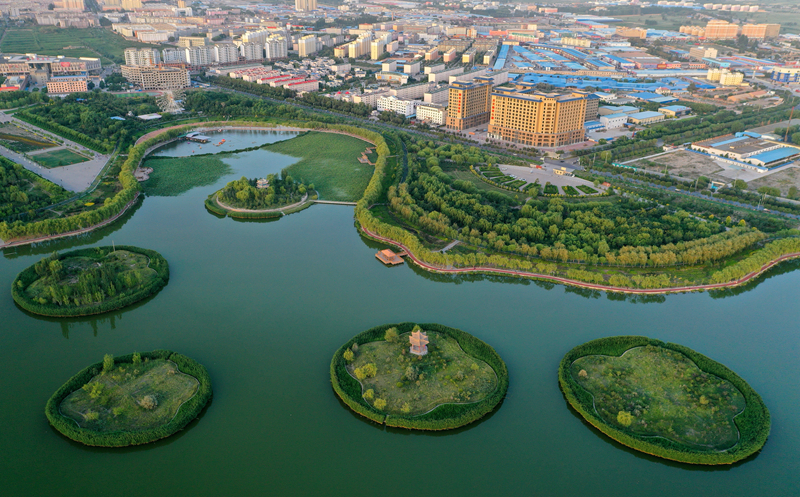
(479, 184)
(130, 397)
(414, 385)
(58, 158)
(50, 40)
(330, 162)
(173, 176)
(654, 391)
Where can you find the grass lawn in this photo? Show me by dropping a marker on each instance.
(173, 176)
(58, 158)
(445, 375)
(50, 40)
(653, 391)
(329, 162)
(116, 400)
(481, 185)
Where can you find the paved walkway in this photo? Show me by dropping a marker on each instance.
(567, 281)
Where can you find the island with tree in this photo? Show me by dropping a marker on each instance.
(425, 377)
(272, 196)
(90, 281)
(130, 400)
(665, 400)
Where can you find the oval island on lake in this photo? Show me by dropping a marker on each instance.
(665, 400)
(90, 281)
(425, 377)
(131, 400)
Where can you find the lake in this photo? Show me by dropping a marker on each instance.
(264, 305)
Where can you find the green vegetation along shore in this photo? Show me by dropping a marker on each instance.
(90, 281)
(665, 400)
(130, 400)
(459, 380)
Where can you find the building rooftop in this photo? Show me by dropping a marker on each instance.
(645, 115)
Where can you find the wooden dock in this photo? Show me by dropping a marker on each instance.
(389, 258)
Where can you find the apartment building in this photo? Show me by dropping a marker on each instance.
(193, 41)
(432, 113)
(67, 84)
(468, 103)
(142, 56)
(156, 78)
(401, 106)
(305, 5)
(721, 30)
(700, 53)
(276, 47)
(537, 119)
(761, 31)
(307, 45)
(251, 51)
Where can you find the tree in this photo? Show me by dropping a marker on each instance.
(411, 373)
(624, 418)
(369, 394)
(740, 184)
(137, 358)
(148, 402)
(348, 355)
(792, 192)
(90, 85)
(380, 404)
(108, 363)
(391, 335)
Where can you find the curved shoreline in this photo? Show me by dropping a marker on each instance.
(28, 241)
(577, 283)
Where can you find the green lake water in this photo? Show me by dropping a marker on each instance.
(263, 305)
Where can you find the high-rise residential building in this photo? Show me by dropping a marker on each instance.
(761, 31)
(200, 56)
(376, 49)
(700, 53)
(468, 103)
(305, 5)
(173, 55)
(226, 53)
(721, 30)
(142, 56)
(537, 119)
(276, 47)
(307, 45)
(592, 104)
(72, 4)
(251, 51)
(156, 78)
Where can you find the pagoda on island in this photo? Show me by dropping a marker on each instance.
(419, 342)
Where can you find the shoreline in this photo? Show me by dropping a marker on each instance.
(28, 241)
(577, 283)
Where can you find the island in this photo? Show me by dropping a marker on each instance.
(665, 400)
(260, 198)
(90, 281)
(130, 400)
(419, 376)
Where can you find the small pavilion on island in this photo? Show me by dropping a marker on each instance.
(419, 342)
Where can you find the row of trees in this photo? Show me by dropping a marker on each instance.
(282, 190)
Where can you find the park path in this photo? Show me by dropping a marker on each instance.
(590, 286)
(279, 209)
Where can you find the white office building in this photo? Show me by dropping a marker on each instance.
(403, 107)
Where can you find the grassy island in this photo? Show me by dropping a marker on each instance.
(90, 281)
(259, 198)
(130, 400)
(665, 400)
(456, 379)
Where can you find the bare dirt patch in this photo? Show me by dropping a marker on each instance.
(783, 180)
(684, 164)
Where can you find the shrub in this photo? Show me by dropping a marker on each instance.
(753, 423)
